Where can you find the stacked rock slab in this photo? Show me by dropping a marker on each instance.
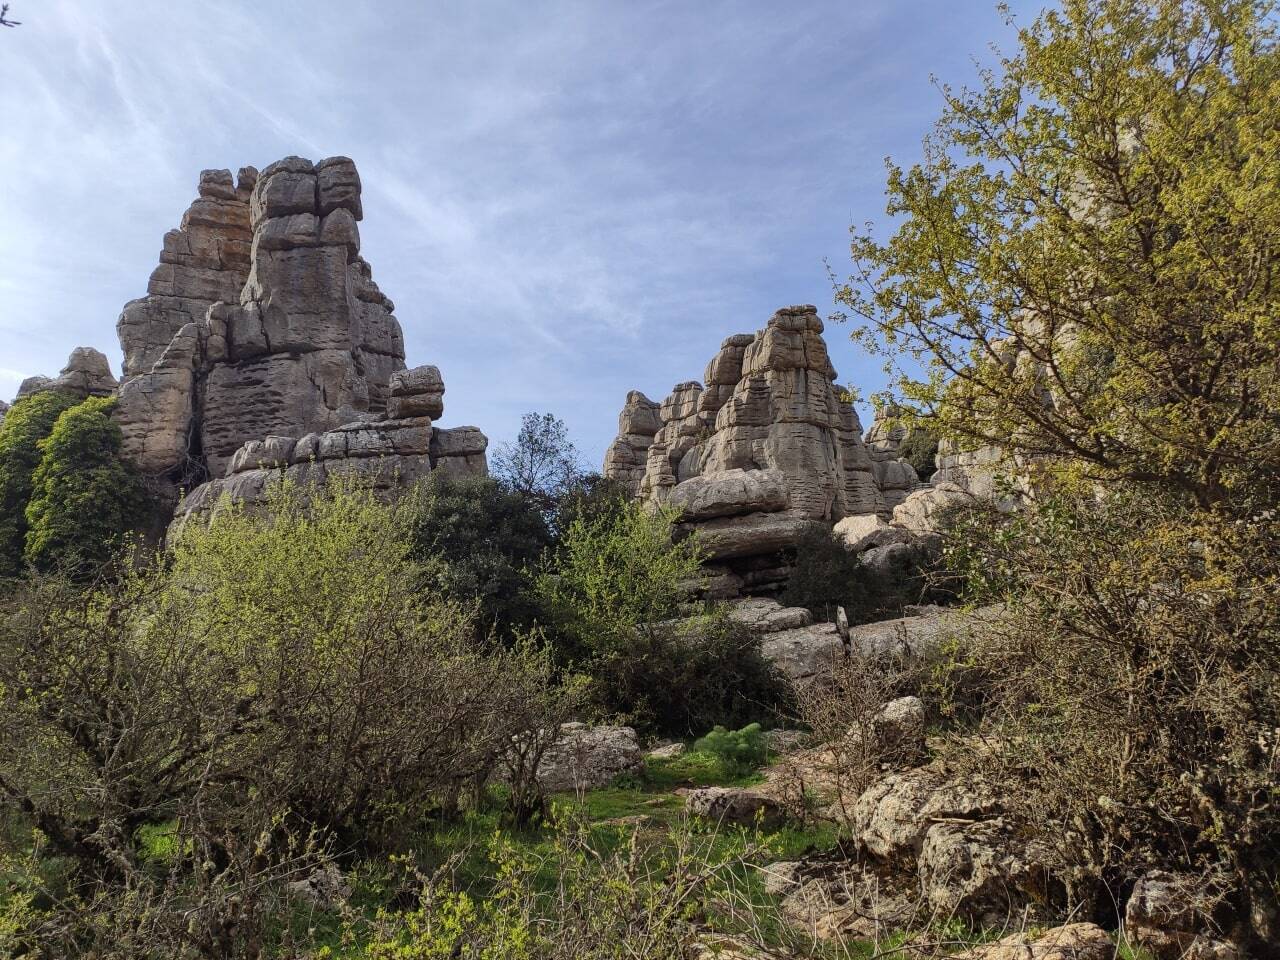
(87, 374)
(261, 320)
(767, 450)
(895, 477)
(389, 452)
(626, 457)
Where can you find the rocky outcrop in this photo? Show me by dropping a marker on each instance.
(766, 451)
(87, 374)
(264, 349)
(387, 454)
(204, 261)
(895, 477)
(261, 320)
(624, 461)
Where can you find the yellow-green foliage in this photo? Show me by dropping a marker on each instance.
(84, 498)
(27, 423)
(616, 572)
(1096, 225)
(617, 593)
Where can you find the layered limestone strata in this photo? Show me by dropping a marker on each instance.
(626, 457)
(388, 452)
(765, 451)
(261, 319)
(264, 349)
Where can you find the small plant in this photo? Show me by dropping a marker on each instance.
(739, 751)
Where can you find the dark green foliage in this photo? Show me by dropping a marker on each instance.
(828, 575)
(84, 499)
(477, 538)
(919, 449)
(28, 422)
(738, 750)
(676, 679)
(589, 497)
(614, 595)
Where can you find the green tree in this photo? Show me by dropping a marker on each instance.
(29, 420)
(1085, 257)
(84, 497)
(542, 464)
(616, 593)
(480, 540)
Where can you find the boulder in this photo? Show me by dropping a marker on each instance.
(983, 872)
(735, 805)
(1074, 941)
(922, 511)
(805, 654)
(586, 758)
(761, 615)
(892, 817)
(852, 531)
(86, 374)
(750, 535)
(1170, 914)
(897, 730)
(728, 494)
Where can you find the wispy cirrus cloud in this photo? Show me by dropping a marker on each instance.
(566, 200)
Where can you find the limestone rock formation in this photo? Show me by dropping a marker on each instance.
(87, 374)
(767, 450)
(264, 349)
(626, 457)
(261, 319)
(387, 453)
(4, 408)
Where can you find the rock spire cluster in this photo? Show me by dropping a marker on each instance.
(264, 344)
(768, 448)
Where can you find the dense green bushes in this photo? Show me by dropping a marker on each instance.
(827, 574)
(479, 541)
(615, 597)
(28, 421)
(83, 496)
(66, 497)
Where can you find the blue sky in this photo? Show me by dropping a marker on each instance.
(566, 200)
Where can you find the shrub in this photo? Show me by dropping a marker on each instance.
(278, 685)
(29, 420)
(84, 498)
(920, 449)
(480, 541)
(739, 751)
(615, 592)
(827, 574)
(1133, 685)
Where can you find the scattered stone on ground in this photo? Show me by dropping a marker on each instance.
(587, 758)
(740, 806)
(1073, 941)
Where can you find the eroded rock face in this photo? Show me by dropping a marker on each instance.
(766, 451)
(625, 459)
(262, 319)
(86, 374)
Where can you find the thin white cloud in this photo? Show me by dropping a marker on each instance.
(565, 200)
